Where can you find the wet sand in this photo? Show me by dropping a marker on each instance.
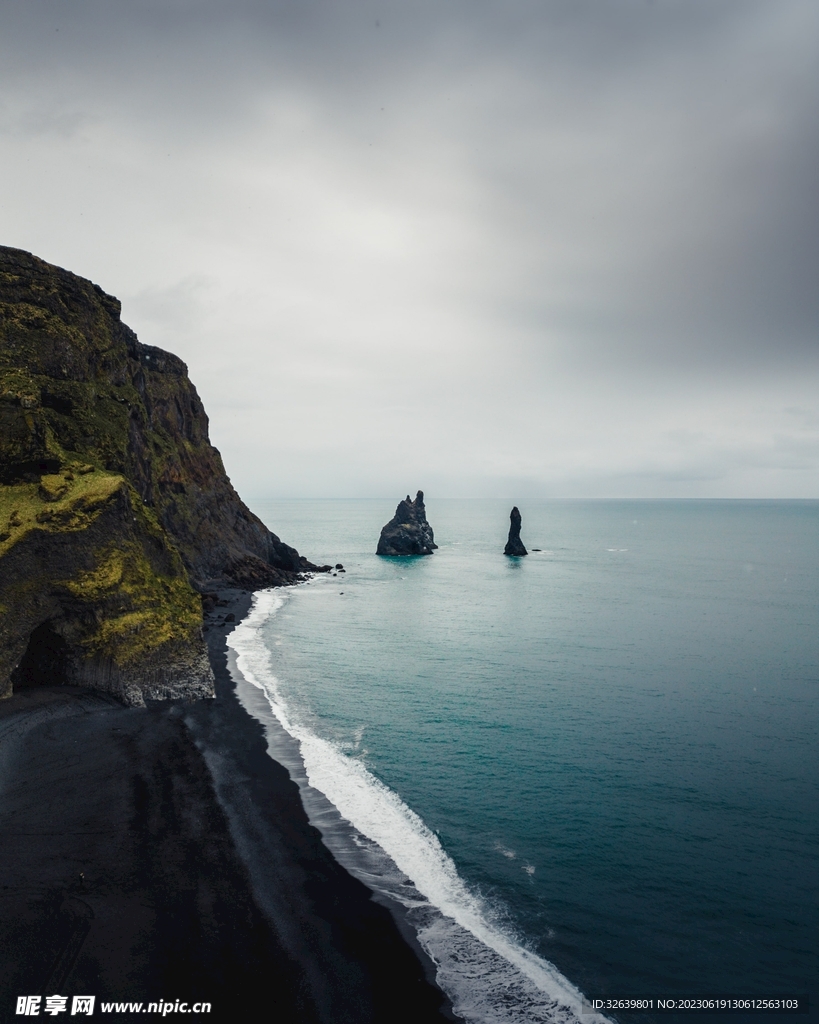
(161, 853)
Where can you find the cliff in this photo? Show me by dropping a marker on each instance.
(408, 532)
(115, 509)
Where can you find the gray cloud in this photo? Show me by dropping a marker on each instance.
(574, 245)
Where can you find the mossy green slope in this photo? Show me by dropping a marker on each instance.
(114, 507)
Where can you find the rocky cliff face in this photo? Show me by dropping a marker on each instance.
(408, 532)
(114, 507)
(514, 545)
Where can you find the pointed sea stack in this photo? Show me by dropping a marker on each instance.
(408, 532)
(514, 546)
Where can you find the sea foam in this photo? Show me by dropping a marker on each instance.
(488, 974)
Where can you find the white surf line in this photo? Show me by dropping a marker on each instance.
(380, 814)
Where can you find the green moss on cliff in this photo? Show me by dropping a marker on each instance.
(30, 331)
(82, 552)
(57, 421)
(77, 498)
(139, 611)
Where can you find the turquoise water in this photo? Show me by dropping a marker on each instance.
(614, 740)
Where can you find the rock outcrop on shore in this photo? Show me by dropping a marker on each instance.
(115, 509)
(408, 532)
(514, 545)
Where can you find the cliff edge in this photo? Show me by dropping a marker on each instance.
(115, 509)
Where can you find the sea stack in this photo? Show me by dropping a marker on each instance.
(514, 546)
(408, 532)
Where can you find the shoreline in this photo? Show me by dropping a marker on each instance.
(161, 853)
(239, 604)
(339, 836)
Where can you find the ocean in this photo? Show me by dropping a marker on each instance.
(592, 771)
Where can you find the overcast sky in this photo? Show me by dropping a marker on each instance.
(520, 249)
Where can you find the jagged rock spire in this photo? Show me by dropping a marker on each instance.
(514, 545)
(408, 532)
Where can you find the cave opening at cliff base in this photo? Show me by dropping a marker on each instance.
(45, 661)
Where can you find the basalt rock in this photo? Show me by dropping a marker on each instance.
(514, 545)
(408, 532)
(115, 509)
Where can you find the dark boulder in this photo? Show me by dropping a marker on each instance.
(408, 532)
(514, 546)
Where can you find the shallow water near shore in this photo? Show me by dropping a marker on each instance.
(597, 765)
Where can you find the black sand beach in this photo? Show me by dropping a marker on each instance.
(161, 854)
